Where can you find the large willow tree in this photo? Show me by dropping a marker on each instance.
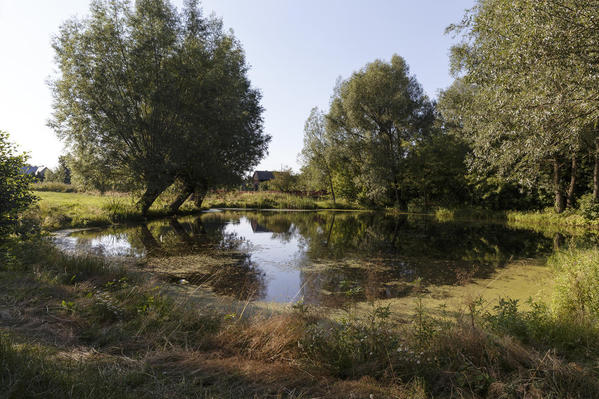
(376, 119)
(531, 70)
(159, 95)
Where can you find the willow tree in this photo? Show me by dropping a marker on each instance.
(377, 116)
(532, 87)
(318, 154)
(157, 94)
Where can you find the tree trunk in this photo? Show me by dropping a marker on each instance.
(149, 196)
(596, 173)
(181, 198)
(558, 240)
(570, 201)
(330, 231)
(199, 195)
(557, 188)
(397, 194)
(332, 190)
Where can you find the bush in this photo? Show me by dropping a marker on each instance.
(589, 209)
(15, 196)
(444, 215)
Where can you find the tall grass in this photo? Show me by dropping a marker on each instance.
(577, 284)
(55, 187)
(270, 200)
(550, 217)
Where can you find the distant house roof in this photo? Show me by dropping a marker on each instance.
(263, 175)
(34, 170)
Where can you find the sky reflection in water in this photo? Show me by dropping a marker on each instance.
(323, 258)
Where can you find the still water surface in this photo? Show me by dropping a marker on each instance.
(325, 258)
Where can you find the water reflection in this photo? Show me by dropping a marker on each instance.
(323, 258)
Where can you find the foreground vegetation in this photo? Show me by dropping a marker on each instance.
(84, 327)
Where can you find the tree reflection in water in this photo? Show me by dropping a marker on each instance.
(180, 243)
(331, 257)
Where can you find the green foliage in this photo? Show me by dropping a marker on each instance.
(346, 347)
(525, 89)
(444, 214)
(377, 117)
(577, 284)
(119, 99)
(15, 196)
(62, 173)
(550, 217)
(378, 144)
(588, 207)
(90, 172)
(318, 154)
(284, 180)
(119, 210)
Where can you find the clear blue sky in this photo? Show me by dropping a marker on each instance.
(296, 48)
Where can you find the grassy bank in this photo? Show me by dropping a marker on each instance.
(83, 327)
(58, 210)
(476, 214)
(271, 200)
(550, 218)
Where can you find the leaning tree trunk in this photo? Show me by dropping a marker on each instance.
(149, 196)
(181, 198)
(199, 195)
(332, 190)
(559, 204)
(572, 187)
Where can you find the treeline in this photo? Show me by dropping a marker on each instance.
(516, 130)
(150, 99)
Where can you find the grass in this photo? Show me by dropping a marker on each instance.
(569, 218)
(270, 200)
(60, 210)
(84, 327)
(55, 187)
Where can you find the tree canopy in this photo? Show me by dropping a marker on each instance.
(529, 71)
(365, 147)
(158, 95)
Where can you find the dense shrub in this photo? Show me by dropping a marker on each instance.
(15, 196)
(588, 207)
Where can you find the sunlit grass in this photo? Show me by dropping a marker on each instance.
(271, 200)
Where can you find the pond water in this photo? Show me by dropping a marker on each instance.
(325, 258)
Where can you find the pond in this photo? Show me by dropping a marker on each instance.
(324, 258)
